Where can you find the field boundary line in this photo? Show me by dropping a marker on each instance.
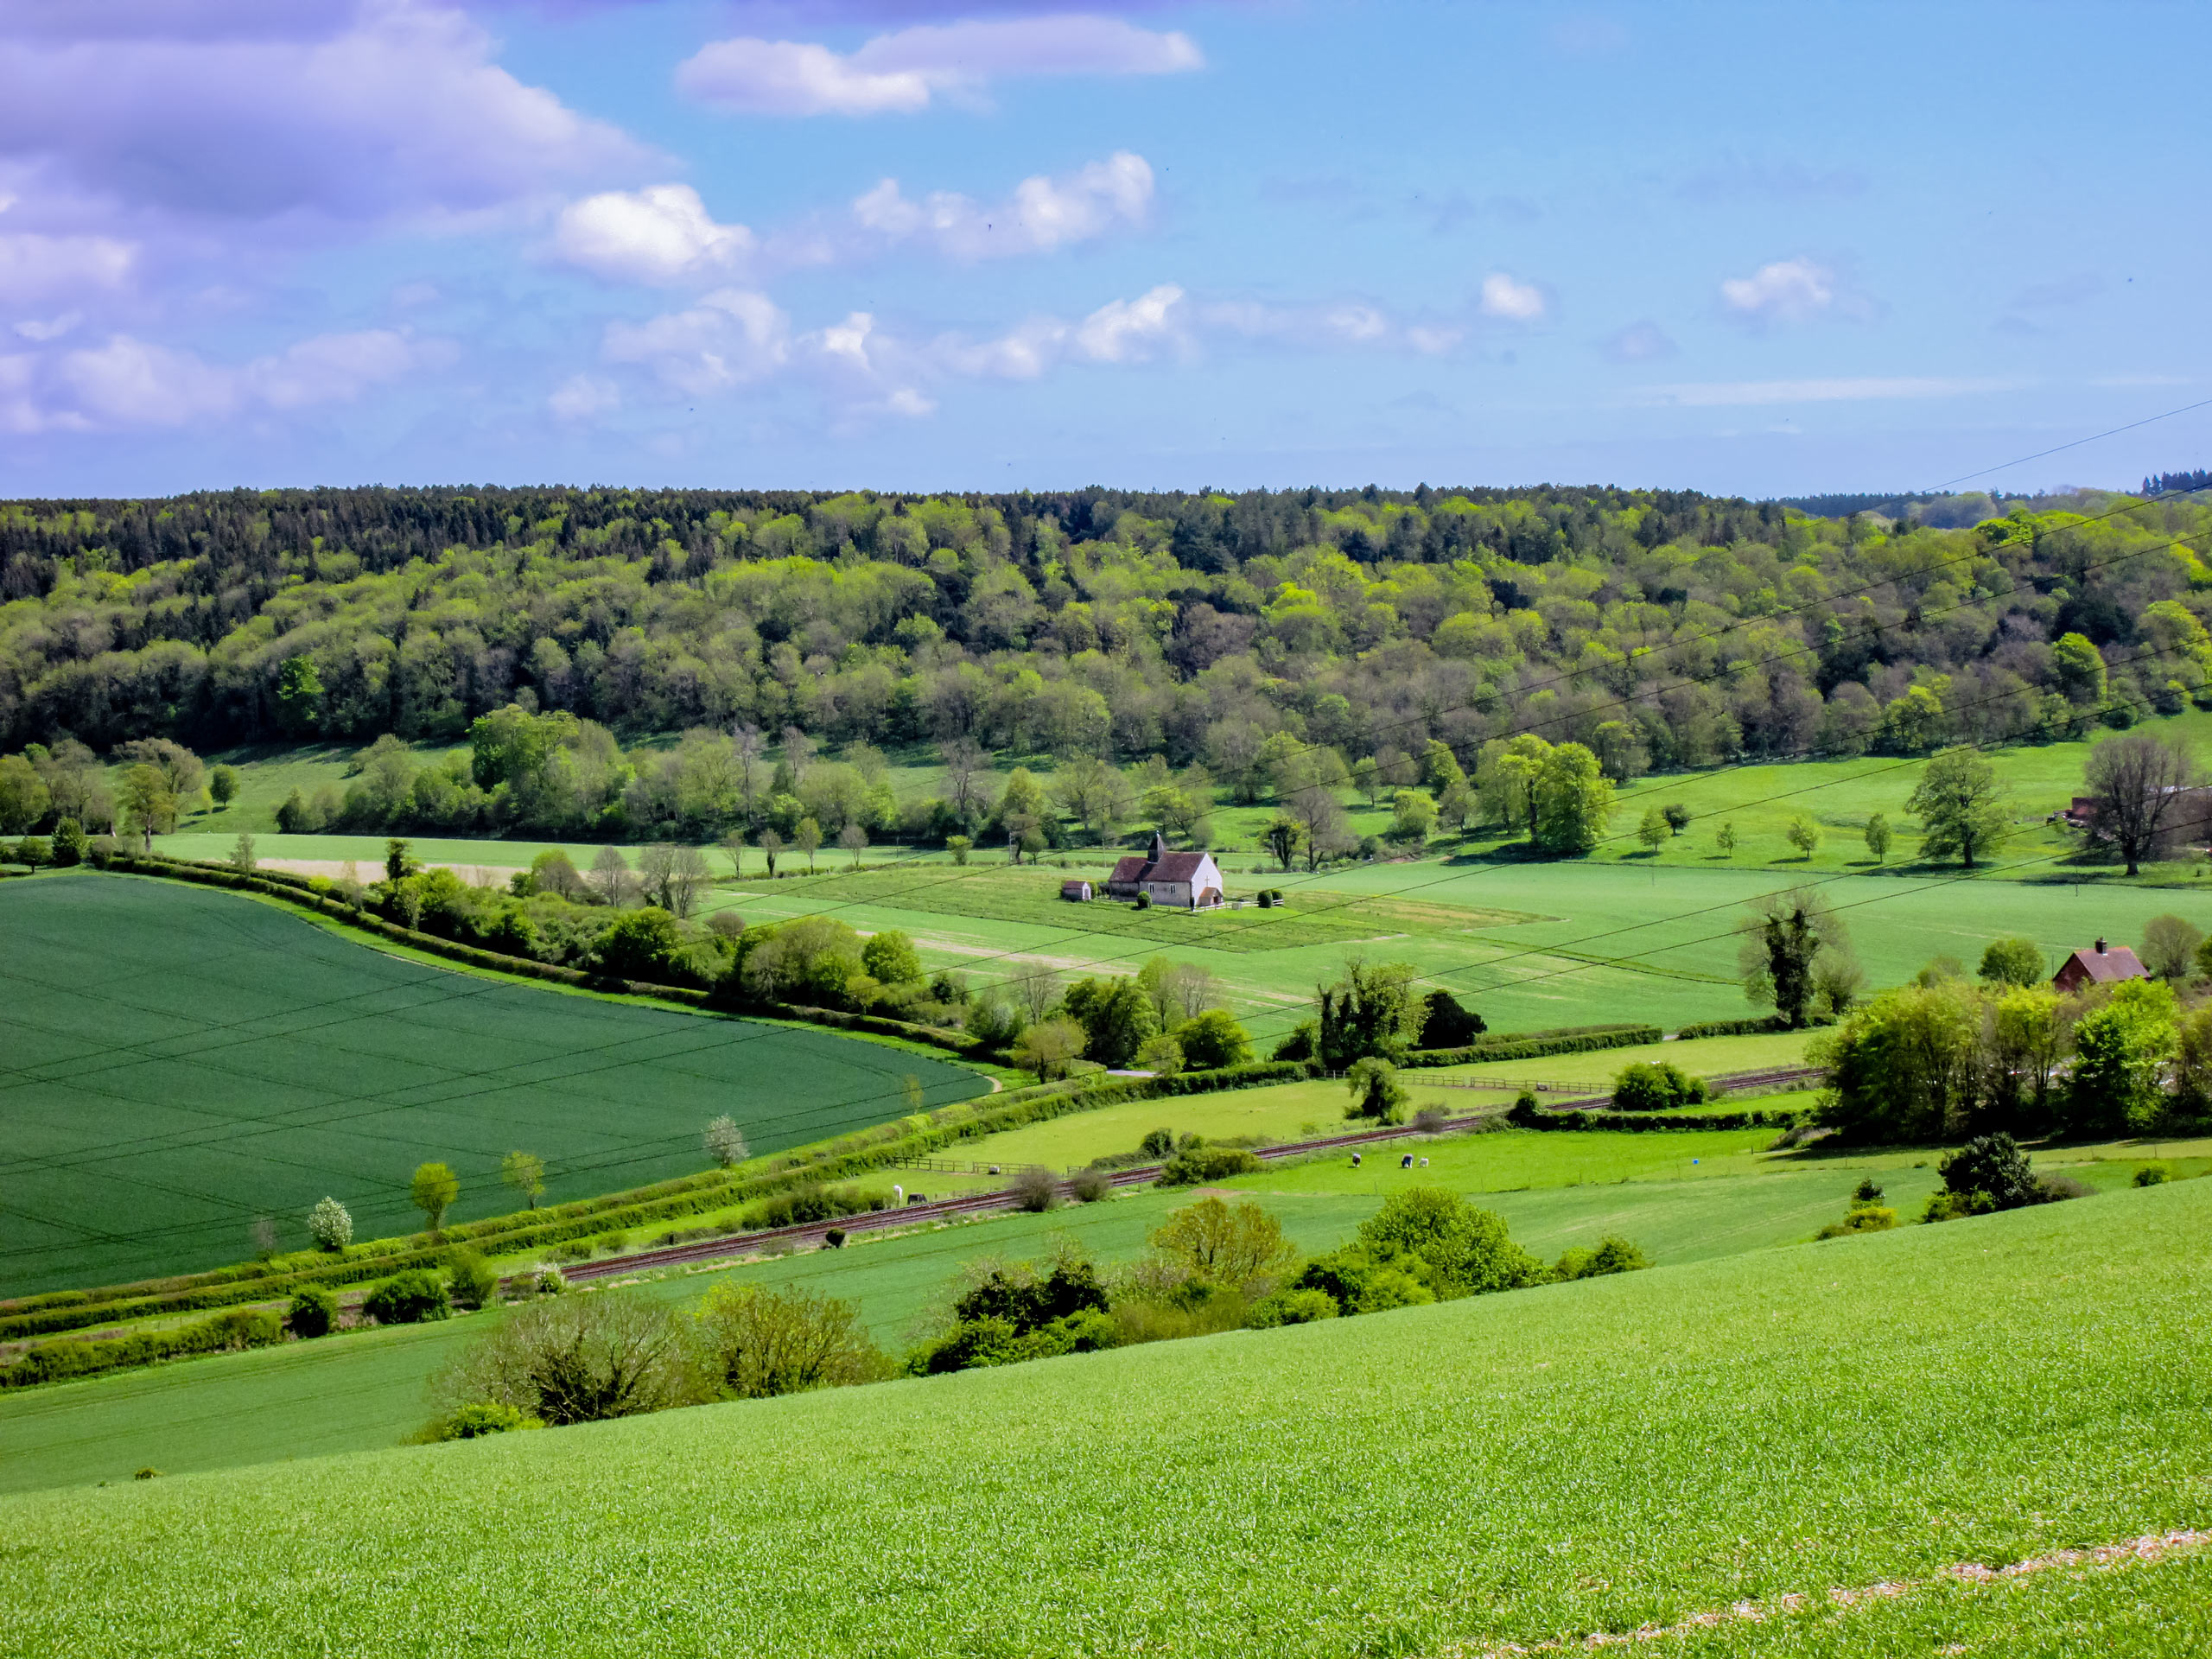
(2150, 1546)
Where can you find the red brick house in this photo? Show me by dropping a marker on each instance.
(2104, 965)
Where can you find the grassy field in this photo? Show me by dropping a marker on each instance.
(1528, 944)
(1585, 1458)
(179, 1062)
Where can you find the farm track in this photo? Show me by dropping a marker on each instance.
(979, 1204)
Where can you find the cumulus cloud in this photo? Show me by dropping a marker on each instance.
(352, 112)
(125, 382)
(35, 267)
(912, 68)
(664, 235)
(1042, 215)
(1790, 291)
(1513, 301)
(730, 338)
(660, 235)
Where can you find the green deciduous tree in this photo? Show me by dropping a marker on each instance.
(433, 1189)
(1878, 837)
(1116, 1016)
(525, 1172)
(1371, 1011)
(2012, 962)
(1958, 803)
(1375, 1092)
(2120, 1053)
(1574, 799)
(1782, 941)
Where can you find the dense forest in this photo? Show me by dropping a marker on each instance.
(1662, 630)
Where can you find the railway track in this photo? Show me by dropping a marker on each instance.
(977, 1204)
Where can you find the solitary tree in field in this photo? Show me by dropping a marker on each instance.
(1957, 804)
(399, 859)
(1724, 839)
(772, 844)
(434, 1189)
(725, 1142)
(1783, 940)
(734, 844)
(329, 1225)
(2137, 785)
(242, 858)
(1878, 838)
(810, 841)
(854, 840)
(525, 1172)
(223, 786)
(1805, 835)
(1653, 831)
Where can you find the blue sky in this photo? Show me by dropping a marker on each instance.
(1760, 249)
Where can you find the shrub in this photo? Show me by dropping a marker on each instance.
(1376, 1094)
(1034, 1190)
(409, 1297)
(833, 1239)
(1089, 1185)
(2152, 1174)
(1466, 1251)
(470, 1282)
(575, 1359)
(1357, 1283)
(1158, 1143)
(1144, 901)
(1213, 1041)
(1614, 1255)
(331, 1227)
(1241, 1246)
(754, 1342)
(1864, 1218)
(1293, 1307)
(1992, 1166)
(1208, 1163)
(485, 1417)
(968, 1344)
(1299, 1045)
(546, 1279)
(1657, 1086)
(313, 1312)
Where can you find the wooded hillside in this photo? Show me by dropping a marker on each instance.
(1661, 629)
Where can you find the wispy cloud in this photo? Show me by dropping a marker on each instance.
(1748, 393)
(1513, 301)
(911, 70)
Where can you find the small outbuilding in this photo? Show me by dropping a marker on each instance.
(2103, 965)
(1076, 893)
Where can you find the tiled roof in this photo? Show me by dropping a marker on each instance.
(2114, 962)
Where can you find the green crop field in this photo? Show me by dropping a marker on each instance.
(179, 1062)
(1650, 1449)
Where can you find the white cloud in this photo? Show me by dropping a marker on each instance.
(902, 73)
(1349, 322)
(45, 328)
(126, 382)
(733, 336)
(661, 234)
(1043, 213)
(34, 267)
(1743, 393)
(580, 396)
(1131, 330)
(361, 112)
(1514, 302)
(1788, 291)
